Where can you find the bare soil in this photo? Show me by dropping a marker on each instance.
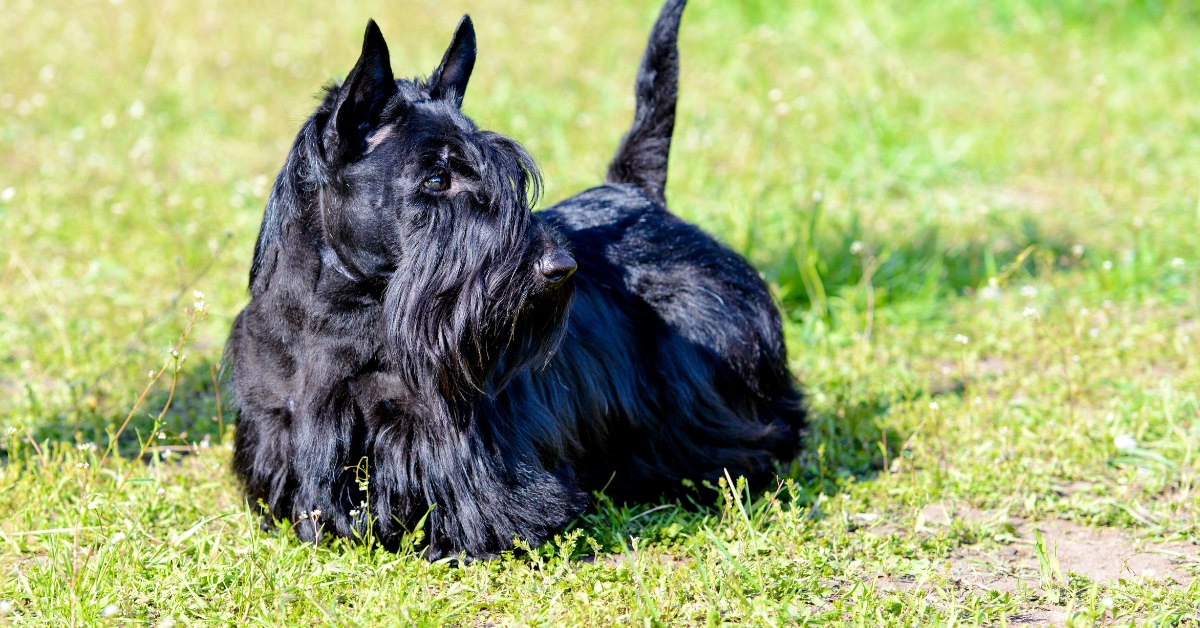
(1102, 554)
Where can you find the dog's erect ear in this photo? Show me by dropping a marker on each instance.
(449, 81)
(363, 96)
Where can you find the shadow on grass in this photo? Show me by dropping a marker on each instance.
(182, 410)
(829, 267)
(844, 444)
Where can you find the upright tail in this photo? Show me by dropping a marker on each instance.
(641, 158)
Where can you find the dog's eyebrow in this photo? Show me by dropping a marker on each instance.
(461, 165)
(452, 156)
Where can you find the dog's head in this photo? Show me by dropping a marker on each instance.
(432, 216)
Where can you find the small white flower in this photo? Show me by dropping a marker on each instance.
(1125, 442)
(961, 339)
(12, 429)
(1075, 358)
(1093, 332)
(1029, 292)
(82, 465)
(110, 611)
(991, 292)
(8, 194)
(304, 515)
(354, 513)
(5, 607)
(933, 405)
(1031, 312)
(1107, 265)
(1077, 251)
(1177, 262)
(200, 304)
(149, 374)
(86, 446)
(362, 504)
(117, 537)
(160, 491)
(856, 247)
(166, 454)
(94, 504)
(1084, 311)
(316, 514)
(978, 400)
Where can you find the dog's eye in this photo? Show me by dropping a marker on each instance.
(438, 183)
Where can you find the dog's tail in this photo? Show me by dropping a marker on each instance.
(641, 159)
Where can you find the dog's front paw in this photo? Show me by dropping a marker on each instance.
(457, 558)
(313, 523)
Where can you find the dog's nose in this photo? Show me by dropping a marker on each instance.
(557, 266)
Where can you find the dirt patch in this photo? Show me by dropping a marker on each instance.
(1039, 617)
(1109, 555)
(1101, 554)
(1104, 555)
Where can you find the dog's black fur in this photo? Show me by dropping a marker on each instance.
(409, 315)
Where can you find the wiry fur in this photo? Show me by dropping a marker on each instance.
(432, 337)
(641, 158)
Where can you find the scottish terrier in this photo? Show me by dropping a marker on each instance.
(422, 354)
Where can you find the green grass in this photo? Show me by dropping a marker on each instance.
(972, 160)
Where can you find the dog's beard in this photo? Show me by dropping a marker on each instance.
(466, 334)
(465, 310)
(537, 333)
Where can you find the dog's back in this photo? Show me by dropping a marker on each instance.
(705, 387)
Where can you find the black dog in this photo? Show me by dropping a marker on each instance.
(420, 347)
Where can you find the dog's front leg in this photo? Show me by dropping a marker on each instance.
(427, 478)
(469, 492)
(325, 431)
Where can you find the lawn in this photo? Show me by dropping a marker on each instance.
(981, 220)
